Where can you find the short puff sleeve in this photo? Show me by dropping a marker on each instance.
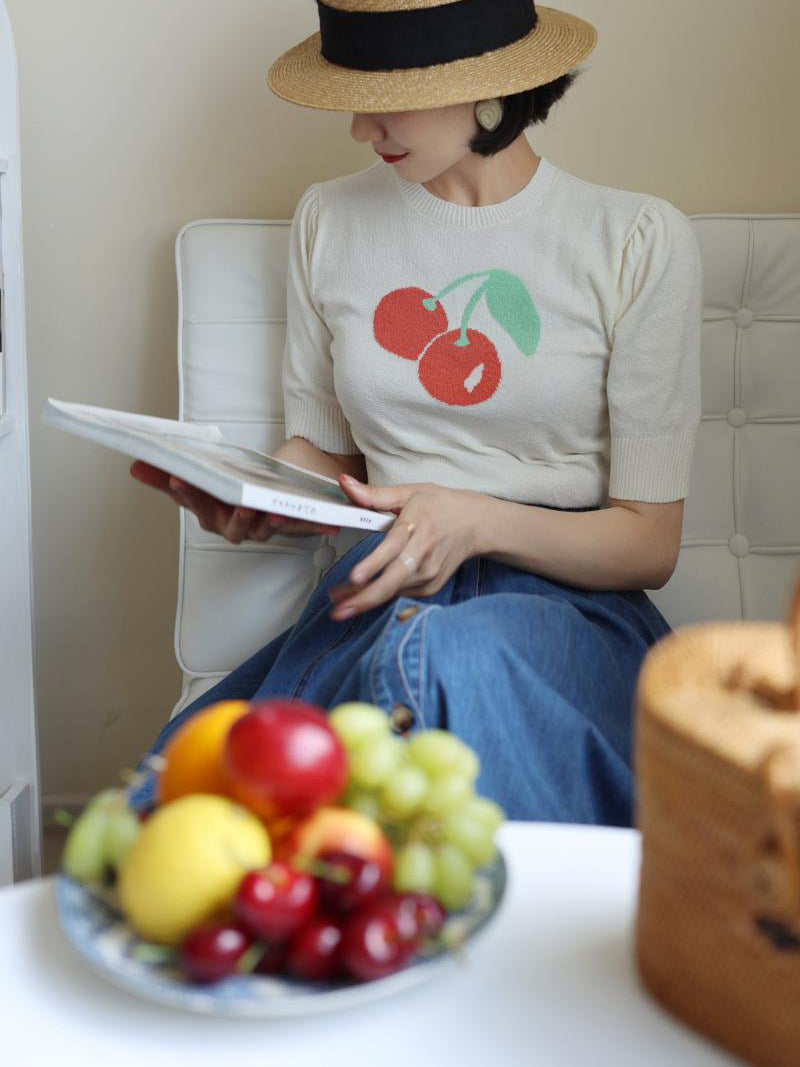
(653, 382)
(311, 409)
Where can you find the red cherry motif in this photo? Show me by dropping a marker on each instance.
(460, 367)
(460, 375)
(403, 325)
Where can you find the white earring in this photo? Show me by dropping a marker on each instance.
(489, 114)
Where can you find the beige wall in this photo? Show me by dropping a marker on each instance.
(137, 117)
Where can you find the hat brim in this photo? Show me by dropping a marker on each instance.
(556, 45)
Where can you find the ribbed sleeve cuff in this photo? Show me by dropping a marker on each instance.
(652, 469)
(324, 425)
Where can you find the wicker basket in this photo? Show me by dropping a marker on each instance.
(718, 772)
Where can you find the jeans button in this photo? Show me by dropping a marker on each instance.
(401, 718)
(407, 613)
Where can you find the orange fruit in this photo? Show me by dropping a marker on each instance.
(193, 755)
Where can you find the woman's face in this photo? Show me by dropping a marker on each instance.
(434, 140)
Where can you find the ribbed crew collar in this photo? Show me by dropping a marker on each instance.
(434, 207)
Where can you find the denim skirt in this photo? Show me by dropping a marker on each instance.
(537, 676)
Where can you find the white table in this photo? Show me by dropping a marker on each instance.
(550, 983)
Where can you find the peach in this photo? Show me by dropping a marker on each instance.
(342, 829)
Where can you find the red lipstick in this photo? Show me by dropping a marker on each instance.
(392, 159)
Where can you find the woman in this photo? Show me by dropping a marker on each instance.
(505, 356)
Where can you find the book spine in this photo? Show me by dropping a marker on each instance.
(325, 512)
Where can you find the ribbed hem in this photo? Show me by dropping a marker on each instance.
(433, 207)
(652, 469)
(324, 425)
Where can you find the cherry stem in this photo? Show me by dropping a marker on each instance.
(251, 957)
(463, 340)
(146, 952)
(463, 278)
(331, 872)
(63, 817)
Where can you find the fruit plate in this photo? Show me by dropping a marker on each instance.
(96, 928)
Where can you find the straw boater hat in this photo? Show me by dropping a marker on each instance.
(407, 55)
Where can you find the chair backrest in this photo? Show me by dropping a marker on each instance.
(741, 537)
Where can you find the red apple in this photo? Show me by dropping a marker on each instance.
(340, 829)
(282, 759)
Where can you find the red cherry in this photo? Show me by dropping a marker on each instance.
(313, 953)
(428, 913)
(275, 901)
(352, 881)
(211, 951)
(457, 375)
(403, 325)
(283, 759)
(378, 940)
(273, 958)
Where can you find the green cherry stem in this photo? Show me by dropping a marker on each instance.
(463, 340)
(458, 281)
(147, 952)
(251, 957)
(430, 304)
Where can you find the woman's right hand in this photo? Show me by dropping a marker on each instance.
(235, 524)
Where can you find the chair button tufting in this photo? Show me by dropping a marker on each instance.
(401, 718)
(743, 318)
(739, 545)
(737, 417)
(324, 557)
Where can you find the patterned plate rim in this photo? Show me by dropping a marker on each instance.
(253, 996)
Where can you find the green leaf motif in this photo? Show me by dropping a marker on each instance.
(510, 304)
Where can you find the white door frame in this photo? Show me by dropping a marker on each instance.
(20, 805)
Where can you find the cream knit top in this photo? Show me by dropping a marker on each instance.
(545, 349)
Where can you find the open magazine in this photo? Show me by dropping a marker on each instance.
(200, 455)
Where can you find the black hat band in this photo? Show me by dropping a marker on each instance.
(401, 40)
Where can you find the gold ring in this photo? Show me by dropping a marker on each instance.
(410, 525)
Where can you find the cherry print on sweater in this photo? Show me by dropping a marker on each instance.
(458, 367)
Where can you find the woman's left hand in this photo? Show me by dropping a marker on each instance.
(436, 530)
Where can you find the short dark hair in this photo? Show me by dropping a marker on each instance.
(521, 110)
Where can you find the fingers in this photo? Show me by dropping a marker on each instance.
(396, 541)
(238, 525)
(235, 524)
(393, 580)
(381, 497)
(149, 475)
(398, 557)
(212, 514)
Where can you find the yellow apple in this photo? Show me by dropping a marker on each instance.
(187, 862)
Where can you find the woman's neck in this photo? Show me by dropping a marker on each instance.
(477, 181)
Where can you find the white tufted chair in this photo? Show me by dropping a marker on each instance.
(740, 550)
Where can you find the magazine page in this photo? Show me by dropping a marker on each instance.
(257, 468)
(128, 421)
(198, 453)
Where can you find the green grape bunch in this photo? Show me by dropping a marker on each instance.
(422, 791)
(100, 837)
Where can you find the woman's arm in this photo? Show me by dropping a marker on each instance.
(629, 545)
(303, 454)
